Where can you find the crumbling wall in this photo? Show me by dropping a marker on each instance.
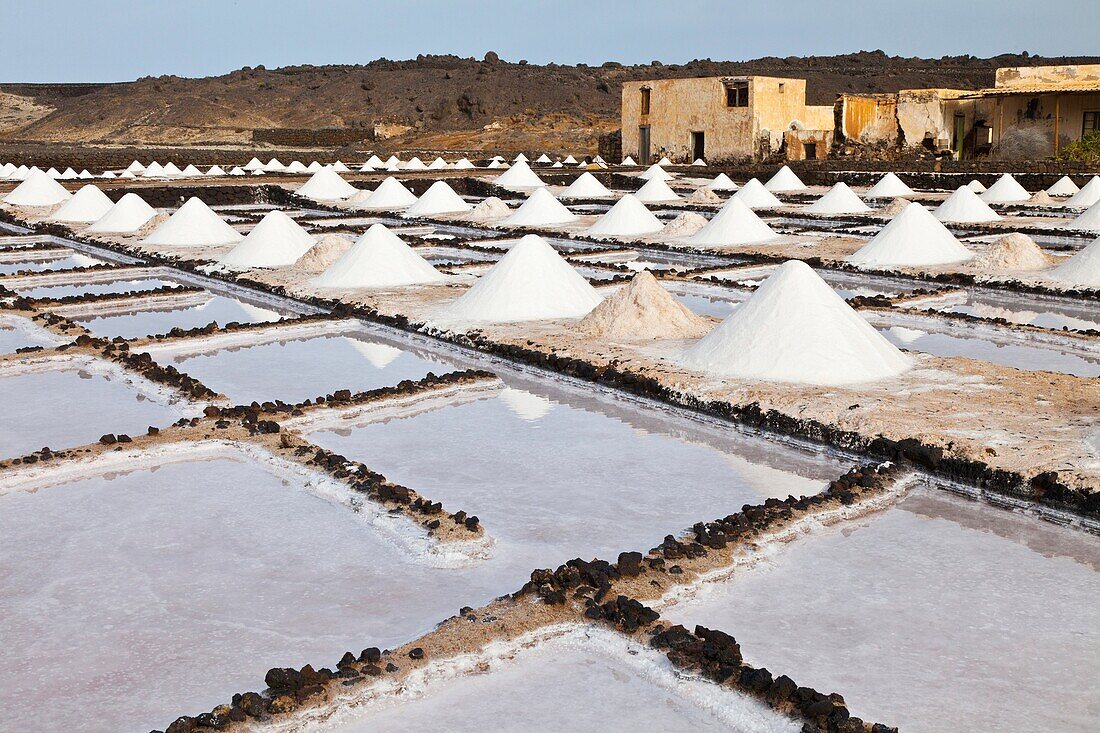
(868, 119)
(1023, 76)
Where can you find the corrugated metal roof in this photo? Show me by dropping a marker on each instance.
(1032, 89)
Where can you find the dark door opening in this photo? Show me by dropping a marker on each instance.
(810, 150)
(698, 147)
(643, 145)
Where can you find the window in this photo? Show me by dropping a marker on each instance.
(781, 85)
(645, 101)
(1092, 121)
(737, 94)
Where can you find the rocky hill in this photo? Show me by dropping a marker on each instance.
(432, 101)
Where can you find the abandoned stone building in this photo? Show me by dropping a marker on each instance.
(722, 118)
(758, 117)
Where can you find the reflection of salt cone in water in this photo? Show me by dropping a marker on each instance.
(249, 313)
(379, 355)
(525, 405)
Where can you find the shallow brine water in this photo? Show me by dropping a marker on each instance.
(17, 332)
(150, 322)
(1023, 309)
(65, 262)
(293, 370)
(939, 614)
(69, 406)
(115, 286)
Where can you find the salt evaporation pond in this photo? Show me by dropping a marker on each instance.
(938, 614)
(114, 286)
(1023, 309)
(585, 675)
(17, 332)
(161, 319)
(293, 370)
(67, 405)
(38, 264)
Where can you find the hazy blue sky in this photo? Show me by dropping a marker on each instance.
(97, 40)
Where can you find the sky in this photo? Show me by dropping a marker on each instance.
(119, 40)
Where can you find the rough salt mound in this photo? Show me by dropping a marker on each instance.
(964, 207)
(722, 182)
(1005, 190)
(628, 217)
(704, 195)
(129, 215)
(390, 194)
(1041, 198)
(976, 186)
(655, 171)
(785, 180)
(642, 311)
(894, 208)
(378, 259)
(37, 189)
(911, 239)
(794, 328)
(530, 283)
(540, 209)
(1081, 270)
(87, 205)
(587, 186)
(193, 225)
(489, 209)
(1088, 221)
(1087, 196)
(1064, 186)
(838, 200)
(276, 241)
(889, 187)
(326, 185)
(755, 196)
(734, 224)
(360, 197)
(438, 199)
(1013, 251)
(684, 225)
(322, 255)
(519, 175)
(655, 190)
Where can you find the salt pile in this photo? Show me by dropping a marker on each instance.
(664, 161)
(734, 224)
(137, 167)
(794, 328)
(684, 225)
(521, 158)
(53, 173)
(6, 170)
(587, 186)
(378, 259)
(722, 182)
(129, 215)
(498, 164)
(519, 176)
(531, 282)
(655, 189)
(912, 238)
(642, 311)
(37, 189)
(326, 185)
(437, 164)
(390, 194)
(69, 174)
(87, 205)
(1064, 186)
(276, 241)
(628, 217)
(540, 209)
(392, 163)
(570, 160)
(340, 167)
(699, 162)
(838, 200)
(1081, 270)
(628, 161)
(193, 225)
(274, 166)
(85, 175)
(976, 186)
(438, 199)
(964, 207)
(153, 170)
(237, 171)
(259, 173)
(655, 171)
(1087, 196)
(414, 164)
(704, 195)
(755, 196)
(1013, 251)
(1089, 221)
(253, 165)
(785, 180)
(543, 159)
(489, 209)
(894, 208)
(171, 169)
(109, 174)
(190, 171)
(1005, 190)
(215, 170)
(314, 166)
(296, 166)
(1041, 198)
(365, 169)
(375, 162)
(322, 255)
(889, 187)
(464, 164)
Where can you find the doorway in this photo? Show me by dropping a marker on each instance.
(643, 145)
(810, 150)
(698, 146)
